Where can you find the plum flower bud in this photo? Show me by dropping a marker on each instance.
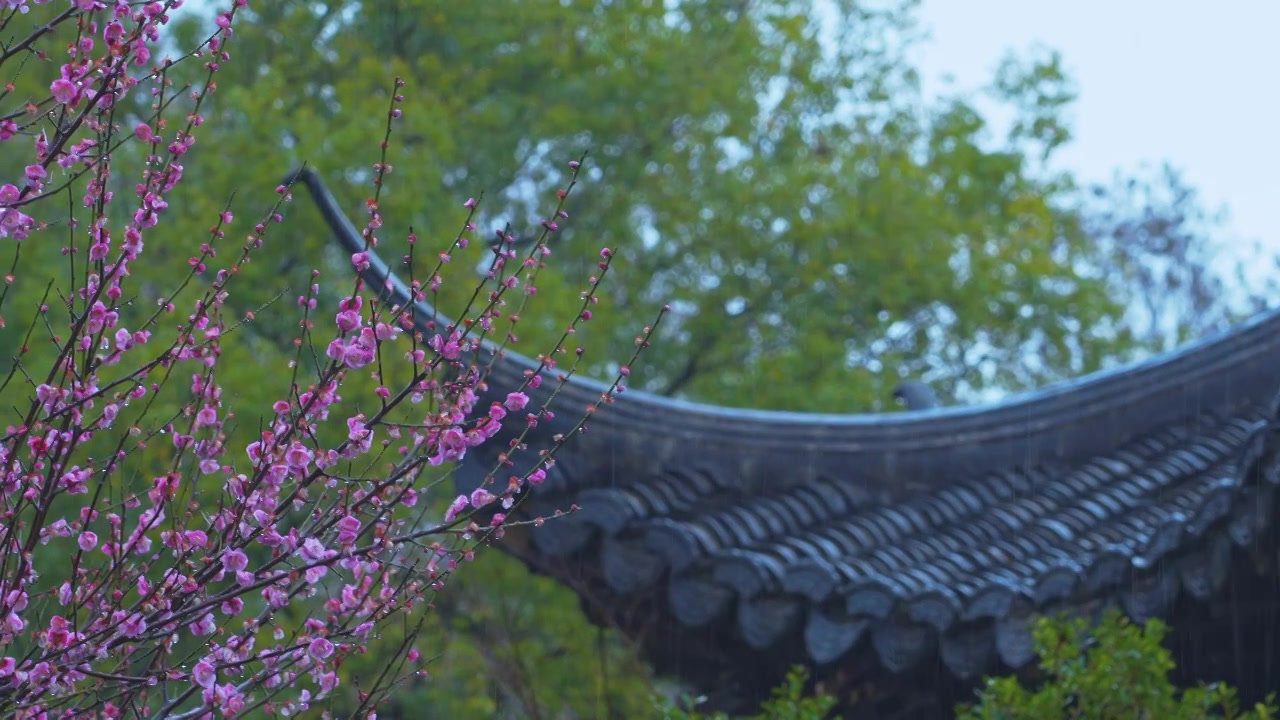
(348, 320)
(208, 415)
(455, 508)
(204, 675)
(320, 648)
(234, 560)
(298, 456)
(481, 497)
(450, 348)
(452, 446)
(64, 91)
(204, 626)
(314, 550)
(348, 529)
(134, 625)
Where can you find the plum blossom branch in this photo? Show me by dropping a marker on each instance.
(229, 575)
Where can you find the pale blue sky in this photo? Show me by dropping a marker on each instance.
(1187, 81)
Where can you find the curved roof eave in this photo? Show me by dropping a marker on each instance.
(1068, 420)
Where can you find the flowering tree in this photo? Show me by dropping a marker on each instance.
(234, 578)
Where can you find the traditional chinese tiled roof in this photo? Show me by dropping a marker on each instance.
(921, 533)
(915, 537)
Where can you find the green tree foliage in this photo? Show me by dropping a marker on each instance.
(1114, 671)
(772, 169)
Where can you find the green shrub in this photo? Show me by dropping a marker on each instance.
(1116, 671)
(1112, 671)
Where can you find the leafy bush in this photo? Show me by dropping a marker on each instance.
(1114, 671)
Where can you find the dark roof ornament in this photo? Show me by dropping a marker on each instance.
(916, 395)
